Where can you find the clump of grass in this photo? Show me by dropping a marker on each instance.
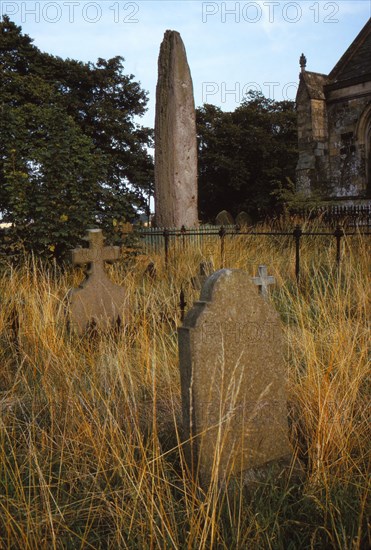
(91, 452)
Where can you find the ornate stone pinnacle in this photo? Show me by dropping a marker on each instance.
(303, 62)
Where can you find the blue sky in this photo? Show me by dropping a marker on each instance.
(231, 46)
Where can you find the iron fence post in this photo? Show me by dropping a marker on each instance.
(183, 231)
(338, 233)
(182, 304)
(297, 233)
(166, 242)
(222, 233)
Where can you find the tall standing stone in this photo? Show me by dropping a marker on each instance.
(233, 381)
(175, 138)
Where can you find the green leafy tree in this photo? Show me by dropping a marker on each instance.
(245, 156)
(71, 153)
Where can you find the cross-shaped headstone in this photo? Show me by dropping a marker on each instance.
(263, 280)
(96, 254)
(97, 300)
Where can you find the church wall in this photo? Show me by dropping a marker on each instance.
(346, 155)
(312, 168)
(334, 127)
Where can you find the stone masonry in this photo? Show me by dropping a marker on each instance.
(334, 127)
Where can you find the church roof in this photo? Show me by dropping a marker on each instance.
(314, 83)
(356, 61)
(354, 64)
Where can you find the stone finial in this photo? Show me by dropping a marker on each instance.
(303, 62)
(97, 300)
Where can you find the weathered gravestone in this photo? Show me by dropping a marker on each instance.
(175, 138)
(243, 219)
(224, 218)
(233, 381)
(97, 301)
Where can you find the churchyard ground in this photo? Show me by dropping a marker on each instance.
(91, 428)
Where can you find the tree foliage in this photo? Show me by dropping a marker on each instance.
(246, 157)
(71, 153)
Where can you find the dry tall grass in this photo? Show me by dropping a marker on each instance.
(90, 452)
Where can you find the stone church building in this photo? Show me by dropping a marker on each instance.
(334, 127)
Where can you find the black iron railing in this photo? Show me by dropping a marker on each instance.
(158, 239)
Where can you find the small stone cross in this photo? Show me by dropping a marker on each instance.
(98, 300)
(263, 280)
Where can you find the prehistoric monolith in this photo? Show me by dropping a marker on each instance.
(233, 381)
(175, 138)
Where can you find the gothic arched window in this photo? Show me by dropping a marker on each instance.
(364, 143)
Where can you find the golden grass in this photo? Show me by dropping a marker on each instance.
(90, 438)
